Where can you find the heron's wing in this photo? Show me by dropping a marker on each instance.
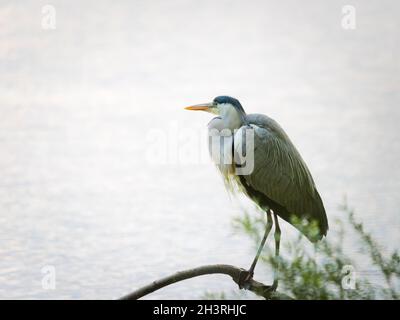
(280, 178)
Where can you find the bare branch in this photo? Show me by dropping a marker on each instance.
(232, 271)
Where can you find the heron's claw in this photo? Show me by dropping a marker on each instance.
(271, 289)
(274, 285)
(245, 277)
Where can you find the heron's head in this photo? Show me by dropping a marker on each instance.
(228, 108)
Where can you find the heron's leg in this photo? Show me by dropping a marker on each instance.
(277, 236)
(248, 275)
(260, 248)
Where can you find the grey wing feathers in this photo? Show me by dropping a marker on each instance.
(281, 179)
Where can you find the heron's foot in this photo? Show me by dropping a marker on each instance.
(245, 277)
(271, 289)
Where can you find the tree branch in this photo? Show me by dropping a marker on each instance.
(232, 271)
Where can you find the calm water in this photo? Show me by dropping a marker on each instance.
(83, 187)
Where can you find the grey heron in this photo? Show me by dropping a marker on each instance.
(279, 183)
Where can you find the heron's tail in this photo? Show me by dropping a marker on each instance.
(318, 221)
(323, 219)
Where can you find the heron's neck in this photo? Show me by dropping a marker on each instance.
(231, 118)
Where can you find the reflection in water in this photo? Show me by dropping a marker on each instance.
(78, 103)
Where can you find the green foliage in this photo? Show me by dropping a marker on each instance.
(322, 270)
(214, 296)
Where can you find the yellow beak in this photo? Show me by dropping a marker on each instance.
(200, 107)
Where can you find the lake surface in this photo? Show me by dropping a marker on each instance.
(101, 174)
